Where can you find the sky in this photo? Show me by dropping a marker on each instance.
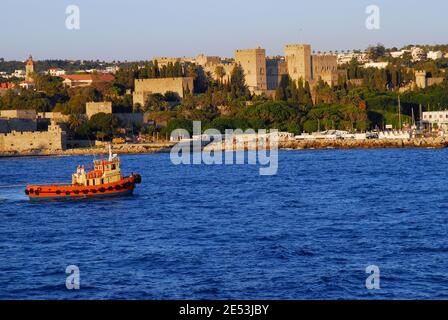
(140, 30)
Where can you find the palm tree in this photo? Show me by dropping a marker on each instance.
(75, 121)
(192, 72)
(220, 72)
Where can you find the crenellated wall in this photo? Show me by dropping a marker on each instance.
(144, 87)
(17, 141)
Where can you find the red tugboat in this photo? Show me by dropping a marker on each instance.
(104, 181)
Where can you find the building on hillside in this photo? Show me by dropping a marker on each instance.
(398, 54)
(418, 54)
(56, 72)
(82, 80)
(27, 85)
(19, 74)
(144, 87)
(435, 55)
(5, 87)
(360, 57)
(376, 65)
(253, 62)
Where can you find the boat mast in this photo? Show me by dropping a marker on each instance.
(110, 152)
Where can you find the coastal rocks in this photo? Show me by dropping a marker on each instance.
(438, 142)
(367, 144)
(119, 149)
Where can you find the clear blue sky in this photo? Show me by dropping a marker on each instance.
(139, 29)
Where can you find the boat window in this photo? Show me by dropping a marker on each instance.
(114, 167)
(88, 181)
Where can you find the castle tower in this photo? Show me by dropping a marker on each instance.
(253, 62)
(298, 59)
(420, 79)
(29, 69)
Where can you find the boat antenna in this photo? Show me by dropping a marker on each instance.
(112, 156)
(110, 152)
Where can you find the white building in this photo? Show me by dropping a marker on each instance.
(435, 55)
(398, 54)
(418, 54)
(377, 65)
(435, 118)
(56, 72)
(19, 74)
(344, 58)
(112, 69)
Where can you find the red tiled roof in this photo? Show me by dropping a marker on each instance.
(7, 85)
(88, 77)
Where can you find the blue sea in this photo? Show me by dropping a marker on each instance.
(225, 232)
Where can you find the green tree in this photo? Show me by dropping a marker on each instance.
(103, 125)
(220, 72)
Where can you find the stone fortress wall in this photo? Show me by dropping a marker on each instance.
(298, 59)
(17, 141)
(145, 87)
(253, 62)
(325, 67)
(93, 108)
(276, 68)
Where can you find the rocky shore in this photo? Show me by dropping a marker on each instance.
(439, 142)
(118, 148)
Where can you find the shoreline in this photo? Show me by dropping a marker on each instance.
(144, 148)
(149, 148)
(420, 143)
(433, 143)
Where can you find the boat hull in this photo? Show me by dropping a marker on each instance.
(124, 187)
